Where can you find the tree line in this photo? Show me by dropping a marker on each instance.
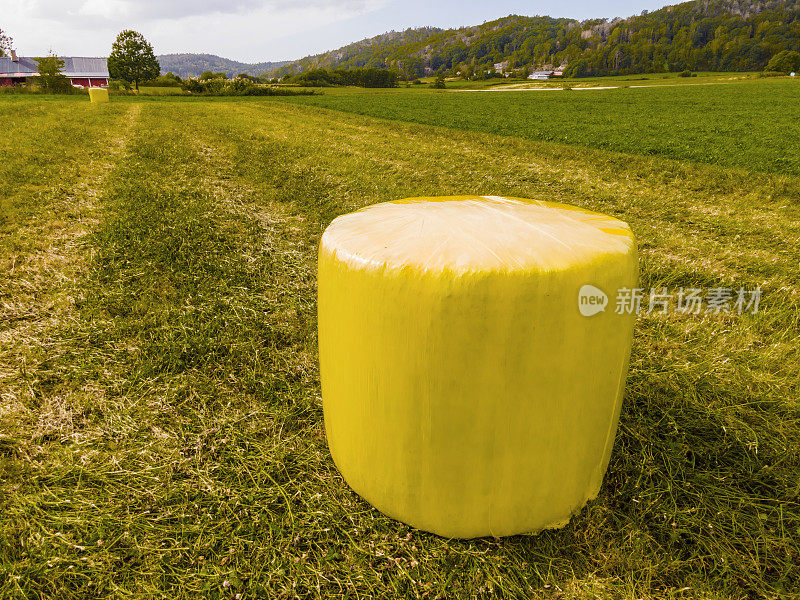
(702, 35)
(359, 77)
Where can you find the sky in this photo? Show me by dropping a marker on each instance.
(260, 30)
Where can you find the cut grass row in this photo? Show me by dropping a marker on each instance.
(53, 159)
(172, 440)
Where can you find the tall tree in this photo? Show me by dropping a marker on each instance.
(132, 59)
(5, 43)
(50, 76)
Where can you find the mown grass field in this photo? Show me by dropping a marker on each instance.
(160, 421)
(750, 123)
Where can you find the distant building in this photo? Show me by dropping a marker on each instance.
(81, 71)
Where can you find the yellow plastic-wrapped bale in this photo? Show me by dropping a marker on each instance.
(467, 390)
(98, 95)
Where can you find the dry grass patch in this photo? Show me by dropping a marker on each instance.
(46, 220)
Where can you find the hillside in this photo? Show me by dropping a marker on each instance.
(710, 35)
(377, 51)
(192, 65)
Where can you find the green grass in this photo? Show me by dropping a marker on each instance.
(161, 91)
(745, 124)
(653, 78)
(160, 421)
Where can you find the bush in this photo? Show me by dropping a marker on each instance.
(784, 62)
(37, 88)
(119, 84)
(368, 78)
(50, 76)
(206, 75)
(686, 73)
(168, 80)
(58, 85)
(20, 89)
(438, 83)
(235, 87)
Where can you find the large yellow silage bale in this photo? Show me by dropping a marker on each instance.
(464, 392)
(97, 94)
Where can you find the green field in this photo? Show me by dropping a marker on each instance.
(750, 124)
(160, 418)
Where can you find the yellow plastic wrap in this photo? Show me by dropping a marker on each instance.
(98, 95)
(465, 392)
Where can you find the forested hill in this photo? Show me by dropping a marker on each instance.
(380, 51)
(192, 65)
(702, 35)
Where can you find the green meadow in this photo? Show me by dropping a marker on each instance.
(747, 123)
(161, 427)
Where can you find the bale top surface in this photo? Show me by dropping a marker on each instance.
(474, 233)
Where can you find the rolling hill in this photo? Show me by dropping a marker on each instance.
(700, 35)
(711, 35)
(192, 65)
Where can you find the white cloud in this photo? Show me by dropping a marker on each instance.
(148, 10)
(233, 36)
(243, 29)
(112, 10)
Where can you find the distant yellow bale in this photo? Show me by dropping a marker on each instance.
(472, 372)
(98, 94)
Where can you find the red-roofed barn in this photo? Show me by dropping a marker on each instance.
(81, 71)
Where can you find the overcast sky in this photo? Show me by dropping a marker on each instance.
(259, 30)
